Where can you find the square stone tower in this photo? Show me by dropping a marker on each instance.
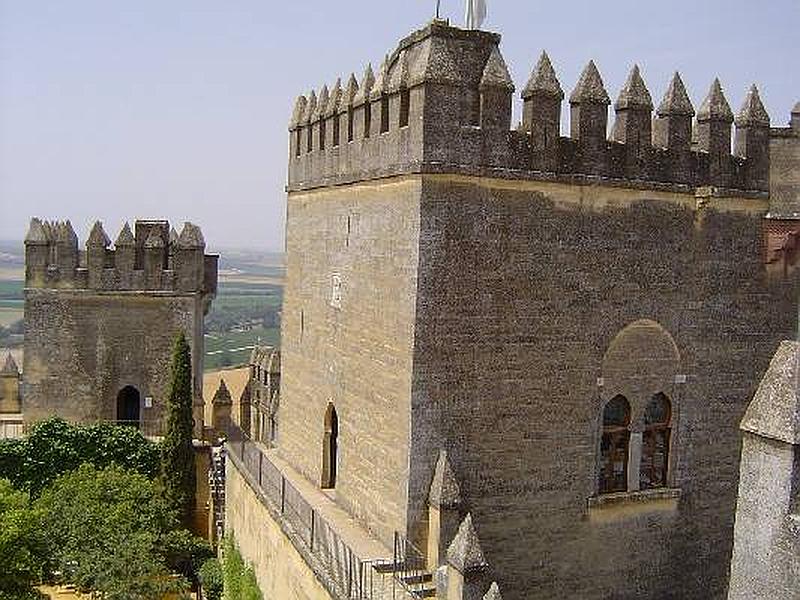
(548, 340)
(100, 324)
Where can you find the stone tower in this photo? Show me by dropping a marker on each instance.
(9, 386)
(576, 322)
(100, 324)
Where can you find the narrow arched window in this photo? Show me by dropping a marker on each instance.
(655, 443)
(367, 118)
(405, 106)
(384, 113)
(336, 123)
(614, 446)
(323, 125)
(330, 448)
(350, 121)
(310, 138)
(297, 142)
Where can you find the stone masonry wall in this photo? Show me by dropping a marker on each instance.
(523, 286)
(353, 351)
(82, 347)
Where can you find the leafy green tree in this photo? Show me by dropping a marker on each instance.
(105, 529)
(177, 452)
(23, 548)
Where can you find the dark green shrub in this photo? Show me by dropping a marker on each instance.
(211, 579)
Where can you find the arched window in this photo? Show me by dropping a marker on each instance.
(655, 443)
(128, 406)
(405, 106)
(330, 448)
(384, 113)
(614, 446)
(367, 118)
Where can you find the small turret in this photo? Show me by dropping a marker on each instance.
(125, 257)
(37, 254)
(332, 113)
(9, 386)
(318, 122)
(189, 262)
(362, 106)
(541, 114)
(348, 102)
(633, 125)
(467, 566)
(66, 252)
(221, 406)
(295, 126)
(714, 121)
(497, 90)
(752, 139)
(589, 119)
(672, 129)
(96, 254)
(311, 109)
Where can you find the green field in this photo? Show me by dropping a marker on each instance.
(11, 302)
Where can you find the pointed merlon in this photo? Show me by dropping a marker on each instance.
(590, 88)
(380, 86)
(445, 491)
(222, 395)
(634, 93)
(495, 73)
(98, 237)
(321, 105)
(191, 237)
(493, 593)
(543, 80)
(66, 234)
(399, 73)
(36, 233)
(350, 91)
(715, 107)
(676, 101)
(298, 112)
(335, 99)
(752, 111)
(154, 240)
(173, 236)
(365, 89)
(10, 366)
(125, 237)
(465, 553)
(311, 108)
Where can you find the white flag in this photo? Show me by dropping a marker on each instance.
(476, 13)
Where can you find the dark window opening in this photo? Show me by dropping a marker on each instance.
(350, 121)
(298, 141)
(310, 139)
(347, 239)
(472, 107)
(367, 118)
(405, 107)
(302, 324)
(336, 123)
(655, 443)
(384, 113)
(330, 448)
(613, 475)
(322, 132)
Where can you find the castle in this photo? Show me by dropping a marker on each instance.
(519, 359)
(100, 325)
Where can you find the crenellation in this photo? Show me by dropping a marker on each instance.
(752, 138)
(426, 108)
(168, 262)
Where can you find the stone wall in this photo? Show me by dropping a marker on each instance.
(523, 289)
(280, 569)
(784, 170)
(352, 350)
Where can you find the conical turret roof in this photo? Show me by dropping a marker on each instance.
(9, 366)
(676, 101)
(495, 73)
(465, 552)
(752, 111)
(543, 80)
(365, 89)
(335, 98)
(311, 107)
(125, 237)
(715, 106)
(445, 491)
(98, 237)
(191, 236)
(350, 90)
(222, 395)
(298, 112)
(634, 93)
(590, 88)
(382, 81)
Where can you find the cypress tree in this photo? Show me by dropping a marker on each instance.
(177, 453)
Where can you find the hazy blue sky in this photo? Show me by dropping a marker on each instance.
(114, 109)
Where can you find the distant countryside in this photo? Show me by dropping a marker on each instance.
(245, 312)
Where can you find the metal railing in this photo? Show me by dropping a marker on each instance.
(354, 577)
(410, 567)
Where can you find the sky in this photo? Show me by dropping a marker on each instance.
(178, 109)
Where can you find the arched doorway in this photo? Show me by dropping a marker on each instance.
(330, 448)
(128, 406)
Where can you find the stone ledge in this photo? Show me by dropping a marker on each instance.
(627, 498)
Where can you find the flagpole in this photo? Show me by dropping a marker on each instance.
(438, 7)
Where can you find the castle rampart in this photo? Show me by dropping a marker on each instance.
(442, 101)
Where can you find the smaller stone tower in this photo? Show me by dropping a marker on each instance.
(9, 387)
(100, 324)
(766, 553)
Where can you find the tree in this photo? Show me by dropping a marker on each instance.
(177, 452)
(106, 530)
(54, 447)
(23, 547)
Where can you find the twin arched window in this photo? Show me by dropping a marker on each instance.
(617, 451)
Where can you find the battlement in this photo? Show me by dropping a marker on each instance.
(154, 258)
(442, 103)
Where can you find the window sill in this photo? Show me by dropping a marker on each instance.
(641, 497)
